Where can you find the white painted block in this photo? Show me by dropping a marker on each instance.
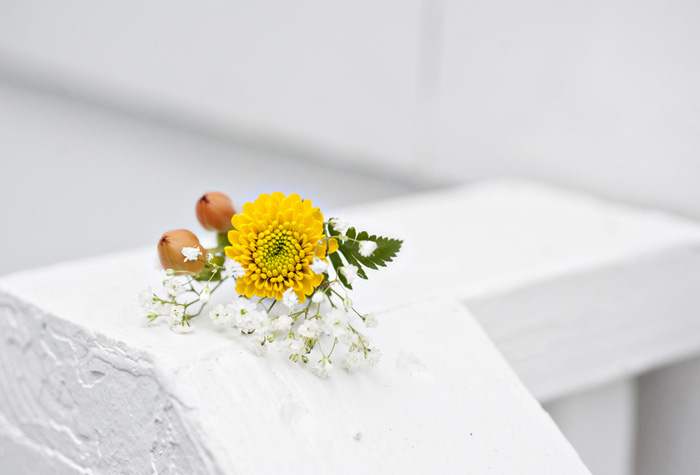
(669, 420)
(320, 76)
(575, 291)
(601, 424)
(86, 386)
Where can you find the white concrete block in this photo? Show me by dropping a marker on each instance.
(601, 424)
(575, 291)
(86, 385)
(319, 76)
(669, 420)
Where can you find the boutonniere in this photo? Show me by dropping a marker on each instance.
(292, 271)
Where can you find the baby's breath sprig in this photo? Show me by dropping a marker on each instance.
(292, 272)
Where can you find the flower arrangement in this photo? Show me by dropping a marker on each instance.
(292, 271)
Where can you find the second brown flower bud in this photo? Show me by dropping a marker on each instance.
(214, 212)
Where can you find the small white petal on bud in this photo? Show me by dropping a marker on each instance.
(367, 248)
(177, 243)
(191, 253)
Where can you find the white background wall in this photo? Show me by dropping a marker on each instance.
(600, 96)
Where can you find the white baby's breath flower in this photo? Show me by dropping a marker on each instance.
(177, 313)
(323, 368)
(319, 266)
(161, 308)
(310, 329)
(146, 299)
(353, 361)
(373, 356)
(347, 303)
(220, 315)
(292, 346)
(289, 298)
(210, 257)
(281, 324)
(367, 248)
(252, 320)
(191, 253)
(261, 321)
(180, 328)
(349, 272)
(318, 297)
(370, 320)
(340, 224)
(233, 269)
(336, 322)
(173, 287)
(240, 306)
(348, 338)
(205, 295)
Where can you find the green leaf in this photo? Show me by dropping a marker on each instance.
(349, 248)
(349, 255)
(387, 249)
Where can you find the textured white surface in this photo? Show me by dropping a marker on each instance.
(575, 291)
(87, 387)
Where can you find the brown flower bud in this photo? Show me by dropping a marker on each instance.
(214, 212)
(170, 251)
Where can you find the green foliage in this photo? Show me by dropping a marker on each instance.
(349, 248)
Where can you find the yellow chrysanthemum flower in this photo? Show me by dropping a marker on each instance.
(275, 239)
